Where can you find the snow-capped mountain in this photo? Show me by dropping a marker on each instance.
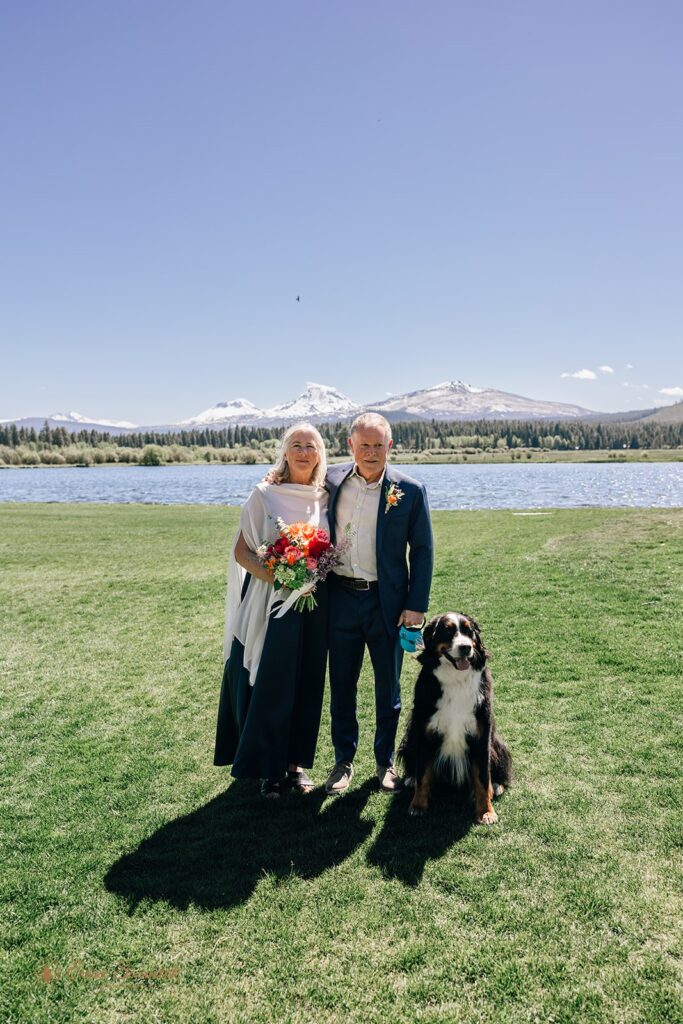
(454, 400)
(85, 421)
(319, 403)
(74, 421)
(239, 410)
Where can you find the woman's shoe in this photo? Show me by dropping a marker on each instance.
(300, 781)
(273, 789)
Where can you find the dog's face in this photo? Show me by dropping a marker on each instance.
(456, 637)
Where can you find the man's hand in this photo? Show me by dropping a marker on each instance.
(411, 619)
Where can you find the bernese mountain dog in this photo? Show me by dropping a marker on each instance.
(451, 734)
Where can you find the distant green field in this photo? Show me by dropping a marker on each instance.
(94, 457)
(140, 884)
(543, 455)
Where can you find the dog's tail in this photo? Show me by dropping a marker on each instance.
(501, 763)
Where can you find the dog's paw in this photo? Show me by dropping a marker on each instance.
(488, 818)
(498, 789)
(416, 810)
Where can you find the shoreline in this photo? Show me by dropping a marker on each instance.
(521, 456)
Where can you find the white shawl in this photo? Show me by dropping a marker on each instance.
(247, 619)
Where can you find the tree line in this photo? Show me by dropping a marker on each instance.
(414, 436)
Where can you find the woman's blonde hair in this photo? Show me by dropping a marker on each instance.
(280, 471)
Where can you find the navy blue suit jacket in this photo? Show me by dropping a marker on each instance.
(405, 550)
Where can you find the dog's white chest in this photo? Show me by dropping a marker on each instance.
(454, 718)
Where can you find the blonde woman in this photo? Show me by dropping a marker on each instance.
(273, 681)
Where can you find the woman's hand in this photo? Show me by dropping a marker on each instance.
(250, 561)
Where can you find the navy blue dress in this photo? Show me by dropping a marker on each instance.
(264, 728)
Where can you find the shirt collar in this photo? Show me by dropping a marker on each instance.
(363, 481)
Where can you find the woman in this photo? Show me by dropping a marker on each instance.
(272, 692)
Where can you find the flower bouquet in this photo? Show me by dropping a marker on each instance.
(299, 559)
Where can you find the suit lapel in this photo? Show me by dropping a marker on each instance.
(332, 504)
(381, 511)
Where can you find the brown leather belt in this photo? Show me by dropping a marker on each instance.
(351, 583)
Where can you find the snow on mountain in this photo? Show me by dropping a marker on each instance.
(73, 422)
(69, 417)
(319, 403)
(86, 422)
(238, 410)
(455, 400)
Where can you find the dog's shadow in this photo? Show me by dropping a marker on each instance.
(405, 844)
(215, 856)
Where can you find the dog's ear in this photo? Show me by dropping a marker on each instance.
(426, 656)
(483, 654)
(477, 634)
(428, 631)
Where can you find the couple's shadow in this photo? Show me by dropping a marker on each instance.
(215, 856)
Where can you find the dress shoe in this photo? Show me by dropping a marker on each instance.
(339, 778)
(389, 781)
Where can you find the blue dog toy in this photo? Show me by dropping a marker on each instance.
(410, 638)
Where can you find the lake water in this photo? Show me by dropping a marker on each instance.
(515, 486)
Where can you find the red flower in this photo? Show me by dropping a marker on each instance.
(280, 545)
(319, 543)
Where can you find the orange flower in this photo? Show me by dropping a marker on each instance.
(292, 554)
(300, 531)
(393, 496)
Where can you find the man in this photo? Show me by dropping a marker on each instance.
(382, 583)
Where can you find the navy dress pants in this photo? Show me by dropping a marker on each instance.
(356, 620)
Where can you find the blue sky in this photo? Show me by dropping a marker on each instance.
(489, 192)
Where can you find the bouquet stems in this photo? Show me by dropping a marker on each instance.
(305, 603)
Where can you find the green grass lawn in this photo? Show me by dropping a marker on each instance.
(140, 884)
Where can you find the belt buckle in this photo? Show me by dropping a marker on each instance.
(364, 585)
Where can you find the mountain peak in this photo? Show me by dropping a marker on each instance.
(88, 422)
(457, 387)
(318, 402)
(236, 410)
(455, 400)
(69, 417)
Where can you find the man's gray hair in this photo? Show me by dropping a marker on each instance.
(371, 419)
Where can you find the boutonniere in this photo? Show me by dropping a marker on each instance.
(393, 496)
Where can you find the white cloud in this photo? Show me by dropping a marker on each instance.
(581, 375)
(673, 392)
(605, 369)
(629, 366)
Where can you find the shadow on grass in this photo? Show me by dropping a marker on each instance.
(404, 844)
(215, 856)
